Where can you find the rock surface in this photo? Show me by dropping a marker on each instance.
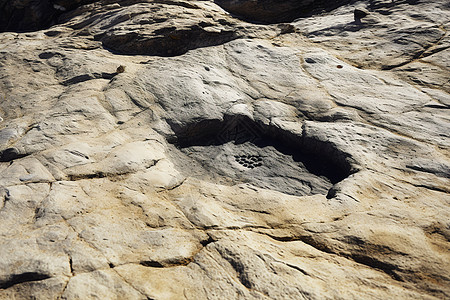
(168, 149)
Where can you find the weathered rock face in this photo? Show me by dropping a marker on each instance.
(168, 150)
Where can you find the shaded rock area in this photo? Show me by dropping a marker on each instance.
(174, 149)
(244, 151)
(271, 11)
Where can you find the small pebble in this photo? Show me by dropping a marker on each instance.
(120, 69)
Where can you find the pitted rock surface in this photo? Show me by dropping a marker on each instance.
(176, 149)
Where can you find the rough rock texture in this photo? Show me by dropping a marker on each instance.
(167, 149)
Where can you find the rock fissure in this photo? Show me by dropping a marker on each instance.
(64, 289)
(86, 77)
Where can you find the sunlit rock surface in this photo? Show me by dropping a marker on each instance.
(178, 149)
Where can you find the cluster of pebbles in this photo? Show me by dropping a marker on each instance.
(249, 161)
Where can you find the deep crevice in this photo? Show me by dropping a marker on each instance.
(71, 265)
(86, 77)
(207, 242)
(151, 263)
(167, 264)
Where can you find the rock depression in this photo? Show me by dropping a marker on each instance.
(177, 149)
(243, 151)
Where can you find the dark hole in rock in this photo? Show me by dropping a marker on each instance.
(10, 154)
(151, 263)
(238, 150)
(207, 242)
(21, 278)
(47, 55)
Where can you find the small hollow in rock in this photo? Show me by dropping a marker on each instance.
(238, 150)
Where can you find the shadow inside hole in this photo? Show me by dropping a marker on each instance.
(318, 164)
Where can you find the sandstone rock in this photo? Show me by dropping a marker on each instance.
(170, 150)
